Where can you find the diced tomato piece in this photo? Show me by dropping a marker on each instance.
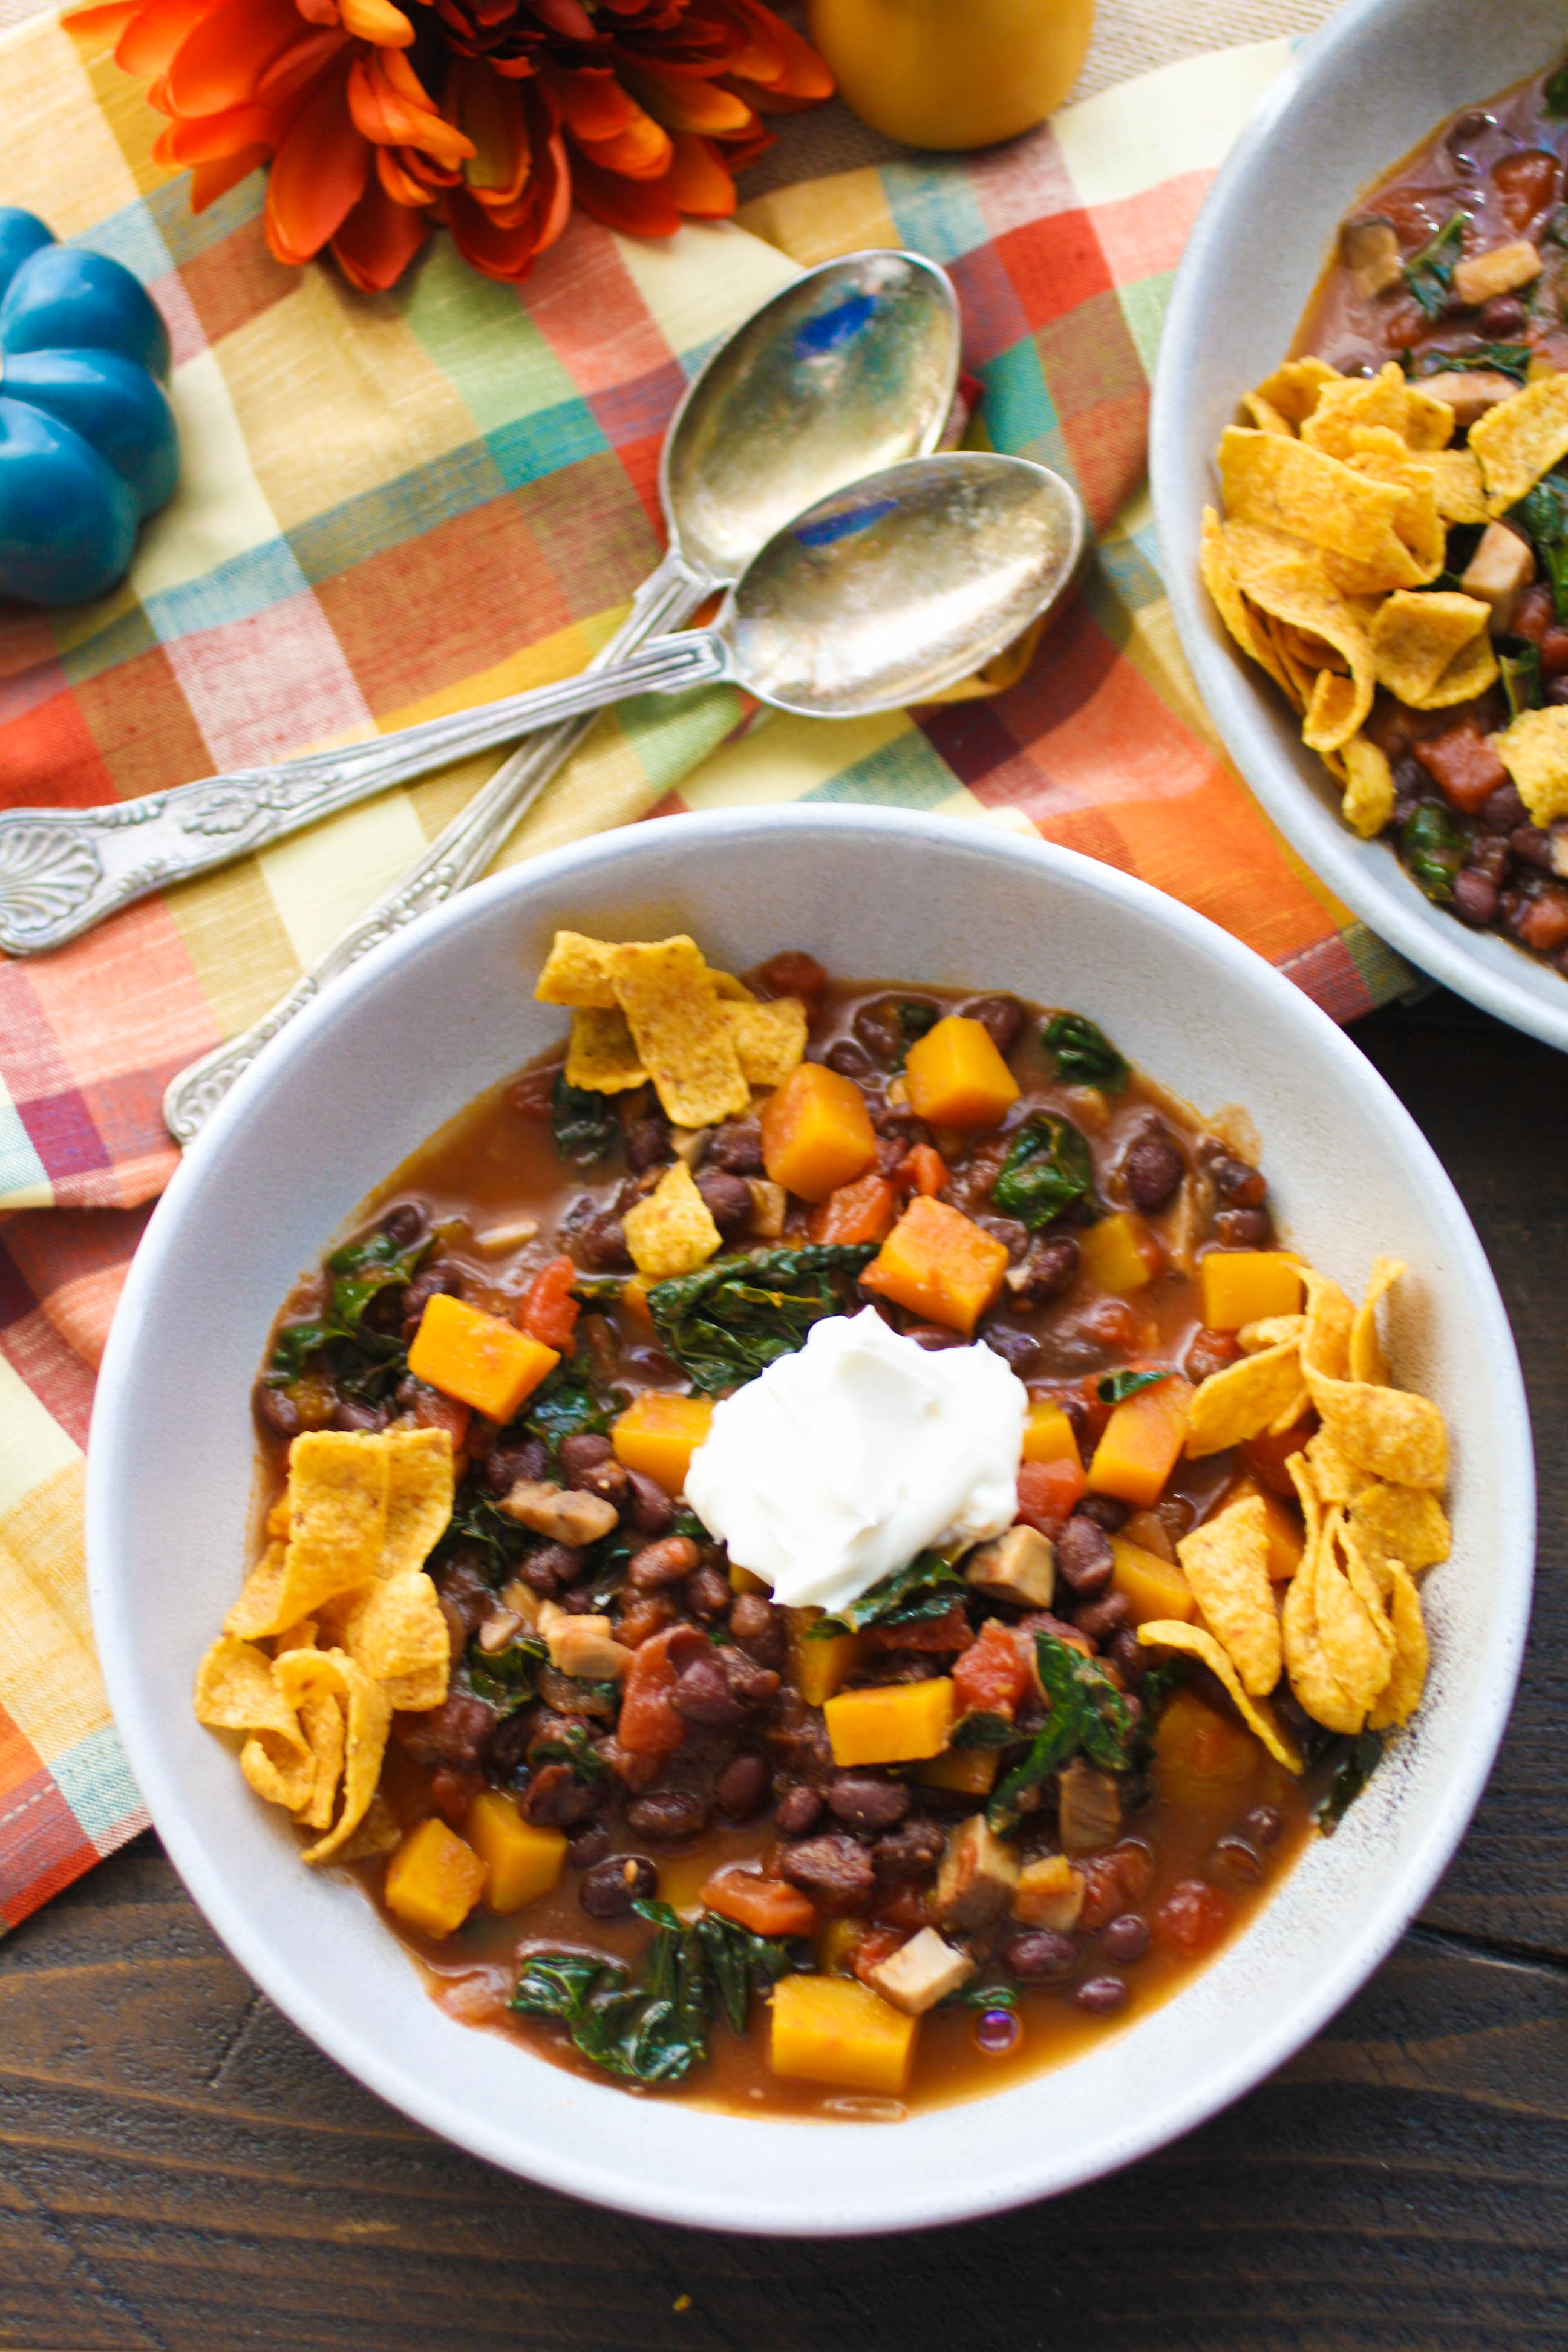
(431, 1410)
(768, 1906)
(948, 1632)
(1266, 1456)
(871, 1948)
(1047, 1492)
(993, 1674)
(1193, 1916)
(861, 1212)
(923, 1169)
(792, 974)
(1464, 765)
(907, 1908)
(1543, 924)
(547, 1310)
(649, 1725)
(1526, 184)
(1535, 613)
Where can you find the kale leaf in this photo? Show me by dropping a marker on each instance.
(362, 1363)
(507, 1679)
(732, 1319)
(1116, 1386)
(1046, 1170)
(573, 1746)
(1085, 1054)
(983, 1729)
(566, 1403)
(1089, 1716)
(585, 1125)
(1555, 95)
(1498, 358)
(656, 2029)
(1430, 274)
(1521, 676)
(1544, 511)
(927, 1588)
(1354, 1766)
(1433, 844)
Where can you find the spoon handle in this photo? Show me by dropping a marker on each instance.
(458, 855)
(64, 870)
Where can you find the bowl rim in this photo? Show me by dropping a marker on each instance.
(366, 2054)
(1235, 699)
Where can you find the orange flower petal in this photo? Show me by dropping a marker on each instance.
(641, 151)
(154, 34)
(385, 116)
(287, 76)
(400, 185)
(699, 181)
(211, 181)
(216, 136)
(640, 207)
(114, 18)
(318, 176)
(221, 60)
(378, 240)
(377, 21)
(685, 101)
(593, 103)
(804, 75)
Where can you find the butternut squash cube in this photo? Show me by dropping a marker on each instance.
(658, 1435)
(520, 1860)
(477, 1358)
(434, 1879)
(897, 1723)
(816, 1132)
(1120, 1253)
(1241, 1286)
(940, 1263)
(837, 2030)
(956, 1077)
(1141, 1444)
(1156, 1590)
(1049, 1436)
(817, 1668)
(971, 1771)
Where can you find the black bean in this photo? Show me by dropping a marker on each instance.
(1001, 1017)
(742, 1789)
(1151, 1169)
(758, 1628)
(648, 1507)
(1532, 846)
(1503, 810)
(797, 1812)
(586, 1846)
(513, 1462)
(601, 1244)
(648, 1144)
(727, 1198)
(1104, 1510)
(835, 1870)
(1242, 1228)
(611, 1887)
(1040, 1955)
(665, 1815)
(1101, 1619)
(1101, 1995)
(910, 1851)
(1048, 1268)
(702, 1694)
(1474, 898)
(708, 1593)
(1012, 1234)
(277, 1411)
(351, 1415)
(554, 1799)
(1126, 1937)
(1489, 855)
(934, 1336)
(1084, 1561)
(1264, 1824)
(1242, 1860)
(884, 1033)
(551, 1568)
(658, 1564)
(434, 1281)
(582, 1451)
(751, 1684)
(866, 1801)
(1503, 315)
(404, 1224)
(1020, 1350)
(1128, 1655)
(847, 1059)
(736, 1146)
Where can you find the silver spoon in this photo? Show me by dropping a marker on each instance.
(887, 593)
(850, 367)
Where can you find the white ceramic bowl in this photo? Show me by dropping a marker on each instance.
(403, 1044)
(1357, 97)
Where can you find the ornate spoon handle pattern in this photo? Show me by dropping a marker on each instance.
(456, 857)
(64, 870)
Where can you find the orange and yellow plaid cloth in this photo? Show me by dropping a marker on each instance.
(392, 507)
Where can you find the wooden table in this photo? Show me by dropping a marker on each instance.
(182, 2172)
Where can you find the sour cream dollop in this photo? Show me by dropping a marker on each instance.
(841, 1462)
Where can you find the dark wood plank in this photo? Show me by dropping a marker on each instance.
(179, 2169)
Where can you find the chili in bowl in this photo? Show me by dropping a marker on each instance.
(766, 1558)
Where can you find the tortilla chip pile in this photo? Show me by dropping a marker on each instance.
(1338, 498)
(1350, 1635)
(337, 1625)
(652, 1010)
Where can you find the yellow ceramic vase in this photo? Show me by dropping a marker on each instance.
(953, 73)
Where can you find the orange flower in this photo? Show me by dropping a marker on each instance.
(487, 115)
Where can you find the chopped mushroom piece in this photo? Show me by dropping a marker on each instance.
(1089, 1810)
(769, 1204)
(563, 1516)
(1469, 392)
(1502, 566)
(585, 1647)
(978, 1876)
(921, 1973)
(1482, 276)
(1050, 1893)
(690, 1143)
(1370, 248)
(1018, 1566)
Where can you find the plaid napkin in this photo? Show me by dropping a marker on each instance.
(397, 506)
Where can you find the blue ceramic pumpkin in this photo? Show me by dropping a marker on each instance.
(88, 447)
